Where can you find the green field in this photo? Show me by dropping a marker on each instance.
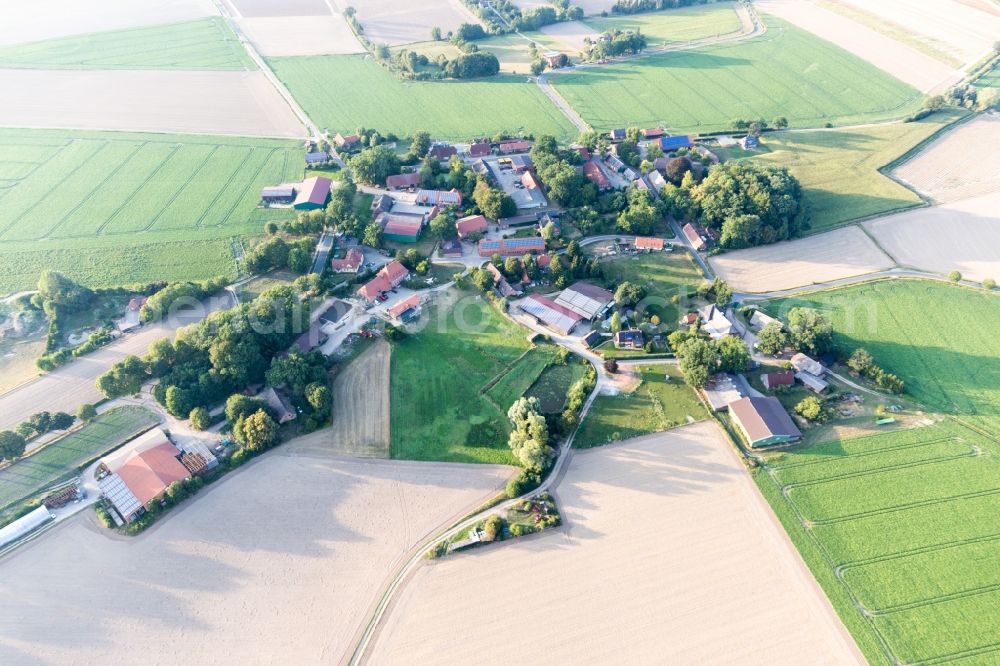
(671, 26)
(59, 460)
(785, 72)
(343, 93)
(204, 44)
(113, 208)
(990, 79)
(551, 386)
(438, 374)
(521, 376)
(658, 404)
(663, 275)
(838, 169)
(899, 529)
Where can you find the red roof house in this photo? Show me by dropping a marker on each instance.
(652, 133)
(480, 149)
(349, 141)
(147, 474)
(473, 224)
(442, 152)
(596, 176)
(693, 237)
(388, 277)
(508, 147)
(351, 263)
(772, 380)
(401, 181)
(404, 306)
(648, 243)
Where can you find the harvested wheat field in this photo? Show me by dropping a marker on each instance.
(47, 19)
(669, 555)
(962, 164)
(392, 22)
(237, 103)
(276, 36)
(255, 8)
(361, 406)
(963, 236)
(831, 256)
(569, 35)
(904, 62)
(275, 564)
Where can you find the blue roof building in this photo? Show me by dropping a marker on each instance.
(675, 142)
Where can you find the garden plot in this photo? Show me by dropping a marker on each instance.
(46, 19)
(392, 22)
(831, 256)
(301, 35)
(963, 236)
(901, 61)
(699, 580)
(963, 163)
(235, 103)
(275, 564)
(569, 36)
(965, 30)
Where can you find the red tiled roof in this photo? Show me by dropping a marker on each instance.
(480, 149)
(399, 225)
(652, 133)
(473, 224)
(314, 190)
(595, 175)
(388, 277)
(647, 243)
(350, 263)
(404, 305)
(692, 235)
(784, 378)
(403, 180)
(543, 260)
(528, 180)
(148, 474)
(583, 152)
(514, 146)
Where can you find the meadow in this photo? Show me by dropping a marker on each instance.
(685, 24)
(840, 169)
(785, 72)
(552, 385)
(439, 374)
(662, 275)
(204, 44)
(131, 207)
(898, 529)
(521, 376)
(457, 110)
(59, 460)
(662, 401)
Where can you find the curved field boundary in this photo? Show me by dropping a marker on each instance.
(863, 454)
(973, 452)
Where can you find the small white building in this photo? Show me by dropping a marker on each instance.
(24, 525)
(803, 363)
(760, 319)
(714, 322)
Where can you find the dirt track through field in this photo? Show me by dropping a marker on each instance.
(361, 405)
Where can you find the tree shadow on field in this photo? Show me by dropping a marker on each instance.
(615, 72)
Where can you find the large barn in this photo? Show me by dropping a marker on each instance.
(314, 193)
(547, 312)
(764, 421)
(587, 300)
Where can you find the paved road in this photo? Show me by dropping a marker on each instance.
(323, 248)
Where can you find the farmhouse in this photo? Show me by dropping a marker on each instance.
(402, 181)
(480, 149)
(595, 174)
(761, 319)
(284, 411)
(318, 157)
(668, 143)
(314, 194)
(764, 421)
(773, 380)
(351, 263)
(348, 142)
(388, 277)
(631, 339)
(511, 247)
(549, 313)
(803, 363)
(406, 309)
(812, 382)
(656, 180)
(442, 151)
(500, 282)
(652, 133)
(439, 198)
(277, 194)
(145, 475)
(649, 244)
(521, 163)
(508, 147)
(473, 224)
(697, 242)
(714, 322)
(401, 228)
(617, 134)
(555, 59)
(616, 164)
(587, 300)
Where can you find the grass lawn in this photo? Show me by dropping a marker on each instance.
(663, 274)
(132, 207)
(839, 169)
(785, 72)
(438, 373)
(674, 25)
(457, 110)
(59, 460)
(203, 44)
(657, 404)
(903, 524)
(552, 385)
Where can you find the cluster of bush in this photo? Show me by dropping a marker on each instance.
(639, 6)
(863, 363)
(276, 253)
(616, 43)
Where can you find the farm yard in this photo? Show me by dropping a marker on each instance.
(685, 24)
(839, 169)
(675, 521)
(454, 110)
(831, 256)
(786, 72)
(393, 23)
(60, 459)
(232, 568)
(361, 406)
(897, 529)
(131, 207)
(204, 44)
(660, 402)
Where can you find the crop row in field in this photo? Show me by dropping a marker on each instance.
(204, 44)
(69, 199)
(785, 72)
(905, 547)
(343, 93)
(57, 460)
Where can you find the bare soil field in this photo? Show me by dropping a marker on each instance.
(236, 103)
(668, 553)
(361, 406)
(301, 35)
(962, 164)
(275, 564)
(963, 236)
(963, 28)
(392, 22)
(831, 256)
(252, 8)
(905, 63)
(569, 35)
(46, 19)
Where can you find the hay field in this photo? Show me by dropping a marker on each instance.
(131, 207)
(455, 110)
(902, 522)
(963, 236)
(361, 406)
(961, 164)
(667, 551)
(301, 35)
(831, 256)
(204, 44)
(839, 169)
(569, 36)
(787, 72)
(393, 23)
(685, 24)
(907, 64)
(275, 564)
(49, 19)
